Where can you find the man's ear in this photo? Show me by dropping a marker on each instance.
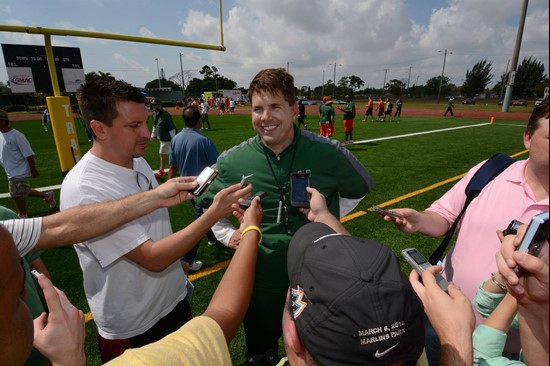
(294, 348)
(98, 128)
(527, 140)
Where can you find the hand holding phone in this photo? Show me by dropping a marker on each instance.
(204, 179)
(299, 196)
(247, 202)
(535, 236)
(383, 212)
(420, 264)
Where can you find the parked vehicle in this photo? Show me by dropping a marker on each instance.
(468, 101)
(520, 103)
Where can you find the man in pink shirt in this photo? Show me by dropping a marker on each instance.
(520, 192)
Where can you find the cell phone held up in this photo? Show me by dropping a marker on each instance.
(204, 179)
(535, 236)
(383, 212)
(420, 264)
(247, 202)
(299, 196)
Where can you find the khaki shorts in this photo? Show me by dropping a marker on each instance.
(164, 148)
(19, 187)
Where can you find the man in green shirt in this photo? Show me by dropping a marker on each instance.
(278, 150)
(164, 129)
(349, 115)
(326, 117)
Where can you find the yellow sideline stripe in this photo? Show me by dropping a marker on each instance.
(222, 265)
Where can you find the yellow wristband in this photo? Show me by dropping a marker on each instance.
(255, 228)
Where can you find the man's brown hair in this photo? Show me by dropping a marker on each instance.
(274, 81)
(540, 111)
(97, 99)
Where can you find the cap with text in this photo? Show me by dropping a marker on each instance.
(351, 303)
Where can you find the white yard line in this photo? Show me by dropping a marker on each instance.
(419, 133)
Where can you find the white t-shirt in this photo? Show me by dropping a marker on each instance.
(126, 299)
(232, 104)
(204, 107)
(14, 151)
(25, 233)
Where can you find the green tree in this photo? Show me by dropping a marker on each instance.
(164, 83)
(99, 74)
(529, 74)
(396, 87)
(478, 78)
(432, 86)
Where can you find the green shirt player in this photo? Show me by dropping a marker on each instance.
(278, 150)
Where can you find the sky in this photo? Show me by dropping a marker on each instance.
(371, 39)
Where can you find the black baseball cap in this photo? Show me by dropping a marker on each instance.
(351, 303)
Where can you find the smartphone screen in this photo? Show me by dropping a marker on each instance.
(299, 195)
(419, 263)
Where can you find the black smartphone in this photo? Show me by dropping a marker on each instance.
(420, 264)
(299, 196)
(247, 202)
(204, 179)
(512, 228)
(384, 212)
(535, 236)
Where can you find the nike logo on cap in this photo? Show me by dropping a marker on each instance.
(383, 353)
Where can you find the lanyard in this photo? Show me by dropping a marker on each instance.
(281, 188)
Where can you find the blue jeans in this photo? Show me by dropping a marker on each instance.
(190, 256)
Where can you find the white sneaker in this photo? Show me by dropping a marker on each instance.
(212, 242)
(50, 199)
(197, 265)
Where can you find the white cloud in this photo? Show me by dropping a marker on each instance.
(143, 31)
(133, 64)
(366, 37)
(5, 9)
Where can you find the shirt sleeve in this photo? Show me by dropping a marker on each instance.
(25, 233)
(488, 344)
(452, 202)
(198, 342)
(486, 302)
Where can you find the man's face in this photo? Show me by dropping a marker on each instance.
(273, 120)
(16, 325)
(128, 135)
(538, 147)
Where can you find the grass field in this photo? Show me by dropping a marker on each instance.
(399, 167)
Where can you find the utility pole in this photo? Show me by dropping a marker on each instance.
(323, 85)
(288, 66)
(512, 76)
(409, 79)
(334, 80)
(158, 70)
(504, 81)
(442, 74)
(385, 73)
(181, 70)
